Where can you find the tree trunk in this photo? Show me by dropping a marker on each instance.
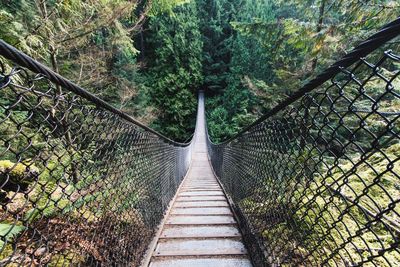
(41, 5)
(318, 29)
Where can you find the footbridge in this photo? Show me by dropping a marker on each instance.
(313, 182)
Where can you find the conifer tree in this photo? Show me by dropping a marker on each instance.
(175, 70)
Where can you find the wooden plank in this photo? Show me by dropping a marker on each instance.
(200, 193)
(202, 186)
(200, 198)
(201, 189)
(201, 262)
(193, 220)
(199, 231)
(201, 204)
(202, 182)
(220, 246)
(201, 211)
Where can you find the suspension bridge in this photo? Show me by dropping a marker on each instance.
(313, 182)
(200, 229)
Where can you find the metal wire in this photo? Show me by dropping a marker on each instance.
(80, 183)
(23, 60)
(315, 182)
(387, 33)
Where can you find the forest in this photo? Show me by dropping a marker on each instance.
(149, 58)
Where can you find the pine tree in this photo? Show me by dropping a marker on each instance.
(216, 34)
(174, 56)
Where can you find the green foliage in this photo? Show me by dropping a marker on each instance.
(8, 232)
(238, 61)
(86, 41)
(175, 69)
(165, 6)
(276, 46)
(149, 58)
(216, 36)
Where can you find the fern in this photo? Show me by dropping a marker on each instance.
(9, 231)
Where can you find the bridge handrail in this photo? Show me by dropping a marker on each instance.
(314, 181)
(11, 53)
(387, 33)
(81, 182)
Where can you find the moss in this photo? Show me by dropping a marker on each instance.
(6, 251)
(332, 217)
(372, 175)
(17, 176)
(68, 258)
(325, 223)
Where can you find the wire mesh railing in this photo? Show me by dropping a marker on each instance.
(80, 182)
(316, 181)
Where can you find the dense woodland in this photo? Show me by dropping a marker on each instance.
(149, 58)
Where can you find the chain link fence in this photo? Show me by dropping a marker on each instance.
(80, 183)
(316, 182)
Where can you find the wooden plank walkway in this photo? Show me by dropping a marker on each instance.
(200, 229)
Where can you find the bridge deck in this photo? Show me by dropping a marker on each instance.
(200, 229)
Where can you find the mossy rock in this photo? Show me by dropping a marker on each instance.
(17, 176)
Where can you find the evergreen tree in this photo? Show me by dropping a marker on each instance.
(248, 60)
(174, 69)
(216, 35)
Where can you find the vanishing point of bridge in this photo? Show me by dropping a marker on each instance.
(313, 182)
(200, 229)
